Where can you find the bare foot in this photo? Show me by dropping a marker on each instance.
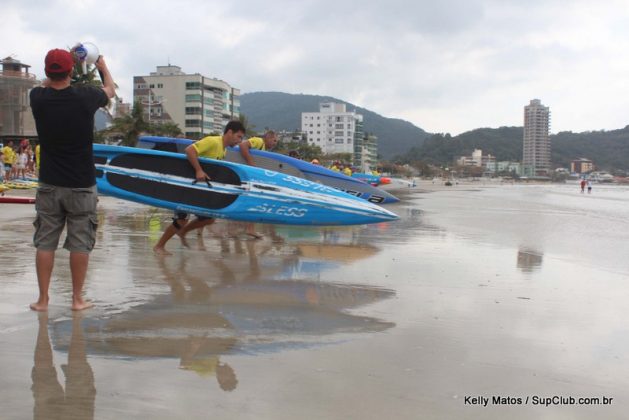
(255, 235)
(38, 306)
(81, 305)
(159, 250)
(184, 242)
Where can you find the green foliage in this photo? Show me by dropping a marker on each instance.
(306, 151)
(128, 127)
(250, 129)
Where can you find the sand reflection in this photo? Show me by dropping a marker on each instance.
(229, 296)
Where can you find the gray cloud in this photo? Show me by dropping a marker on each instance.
(447, 66)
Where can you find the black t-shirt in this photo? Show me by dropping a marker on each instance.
(65, 126)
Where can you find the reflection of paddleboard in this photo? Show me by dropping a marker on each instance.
(284, 164)
(238, 192)
(17, 200)
(237, 317)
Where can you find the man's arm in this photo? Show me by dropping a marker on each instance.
(193, 158)
(246, 155)
(108, 82)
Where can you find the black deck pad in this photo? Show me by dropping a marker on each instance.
(173, 166)
(173, 193)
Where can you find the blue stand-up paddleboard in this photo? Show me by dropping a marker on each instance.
(238, 192)
(284, 164)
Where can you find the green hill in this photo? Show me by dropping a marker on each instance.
(282, 111)
(609, 150)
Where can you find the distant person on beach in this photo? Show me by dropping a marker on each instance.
(589, 186)
(212, 147)
(1, 166)
(37, 159)
(66, 197)
(8, 156)
(582, 186)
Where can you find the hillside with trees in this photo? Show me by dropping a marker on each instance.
(282, 111)
(609, 150)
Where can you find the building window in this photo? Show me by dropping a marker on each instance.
(193, 111)
(338, 141)
(160, 85)
(338, 133)
(193, 85)
(349, 141)
(193, 98)
(193, 123)
(339, 126)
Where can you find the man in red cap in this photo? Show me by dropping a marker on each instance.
(66, 197)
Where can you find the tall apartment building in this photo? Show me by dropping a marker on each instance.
(16, 118)
(199, 105)
(536, 150)
(333, 128)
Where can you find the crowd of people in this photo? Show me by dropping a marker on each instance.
(18, 162)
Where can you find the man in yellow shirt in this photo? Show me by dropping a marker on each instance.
(212, 147)
(266, 142)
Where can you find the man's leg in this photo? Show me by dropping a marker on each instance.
(195, 224)
(170, 231)
(78, 268)
(44, 262)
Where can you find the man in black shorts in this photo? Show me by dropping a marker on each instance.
(66, 197)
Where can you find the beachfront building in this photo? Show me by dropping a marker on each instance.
(199, 105)
(16, 119)
(507, 166)
(478, 159)
(536, 147)
(366, 153)
(333, 129)
(581, 166)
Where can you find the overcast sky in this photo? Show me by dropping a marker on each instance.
(446, 66)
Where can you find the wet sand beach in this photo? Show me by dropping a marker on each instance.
(483, 301)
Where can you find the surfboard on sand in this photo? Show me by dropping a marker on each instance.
(238, 192)
(284, 164)
(11, 199)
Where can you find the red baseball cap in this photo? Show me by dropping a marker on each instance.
(59, 61)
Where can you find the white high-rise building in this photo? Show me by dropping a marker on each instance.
(333, 128)
(536, 147)
(199, 105)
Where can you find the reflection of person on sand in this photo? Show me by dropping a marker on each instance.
(207, 366)
(212, 147)
(51, 402)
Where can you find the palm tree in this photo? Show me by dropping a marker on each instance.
(128, 127)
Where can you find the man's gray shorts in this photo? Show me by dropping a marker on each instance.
(58, 206)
